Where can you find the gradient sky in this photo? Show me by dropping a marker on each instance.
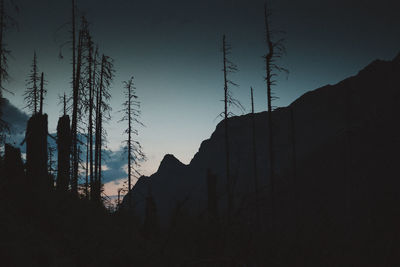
(173, 50)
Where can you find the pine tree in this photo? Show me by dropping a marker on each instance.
(31, 95)
(131, 114)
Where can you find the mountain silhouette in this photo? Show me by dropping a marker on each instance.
(352, 109)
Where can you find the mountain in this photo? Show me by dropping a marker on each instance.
(344, 136)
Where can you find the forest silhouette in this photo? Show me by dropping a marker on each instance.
(311, 184)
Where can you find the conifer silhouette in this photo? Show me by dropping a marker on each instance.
(31, 95)
(103, 109)
(228, 67)
(7, 22)
(131, 114)
(275, 51)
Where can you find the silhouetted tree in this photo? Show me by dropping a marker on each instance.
(76, 115)
(102, 113)
(75, 103)
(89, 107)
(94, 102)
(229, 67)
(42, 93)
(32, 93)
(64, 151)
(131, 114)
(36, 150)
(275, 51)
(7, 22)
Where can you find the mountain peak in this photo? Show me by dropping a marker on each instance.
(169, 162)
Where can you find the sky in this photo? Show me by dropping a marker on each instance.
(173, 49)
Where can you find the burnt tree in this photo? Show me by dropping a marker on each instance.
(103, 109)
(228, 67)
(36, 151)
(275, 50)
(131, 114)
(64, 152)
(31, 95)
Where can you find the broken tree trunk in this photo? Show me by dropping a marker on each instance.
(36, 152)
(64, 151)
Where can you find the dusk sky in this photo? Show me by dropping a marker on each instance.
(172, 48)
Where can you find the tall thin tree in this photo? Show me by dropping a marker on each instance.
(102, 113)
(31, 94)
(75, 105)
(275, 51)
(42, 93)
(131, 114)
(77, 99)
(6, 22)
(228, 67)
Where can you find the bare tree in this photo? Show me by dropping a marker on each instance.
(90, 104)
(131, 114)
(43, 91)
(229, 67)
(7, 22)
(76, 112)
(275, 51)
(63, 149)
(31, 94)
(102, 114)
(75, 105)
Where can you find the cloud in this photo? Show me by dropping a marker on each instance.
(16, 119)
(114, 165)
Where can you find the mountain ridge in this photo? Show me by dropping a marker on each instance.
(320, 117)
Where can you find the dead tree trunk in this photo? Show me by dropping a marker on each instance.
(268, 61)
(41, 93)
(91, 106)
(98, 141)
(64, 152)
(36, 150)
(227, 162)
(129, 145)
(76, 100)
